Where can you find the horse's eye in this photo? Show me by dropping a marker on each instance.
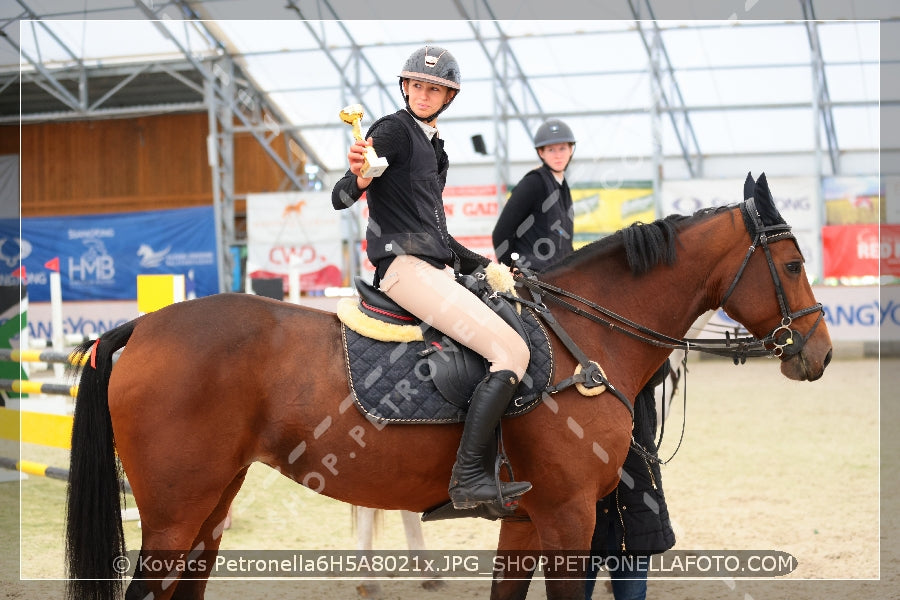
(794, 267)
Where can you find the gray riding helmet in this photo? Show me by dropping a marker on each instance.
(553, 131)
(431, 64)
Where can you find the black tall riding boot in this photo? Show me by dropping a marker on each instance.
(470, 483)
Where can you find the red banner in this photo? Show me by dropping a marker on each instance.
(859, 250)
(890, 250)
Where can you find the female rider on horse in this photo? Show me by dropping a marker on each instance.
(415, 257)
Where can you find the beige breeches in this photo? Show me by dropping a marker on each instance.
(432, 295)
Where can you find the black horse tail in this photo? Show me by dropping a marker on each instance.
(95, 542)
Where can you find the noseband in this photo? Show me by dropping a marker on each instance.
(786, 342)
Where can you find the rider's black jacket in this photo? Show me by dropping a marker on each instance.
(406, 209)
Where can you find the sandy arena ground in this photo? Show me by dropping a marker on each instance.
(765, 464)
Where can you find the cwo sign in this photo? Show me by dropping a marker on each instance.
(294, 230)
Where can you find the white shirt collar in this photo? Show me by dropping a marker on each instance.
(428, 129)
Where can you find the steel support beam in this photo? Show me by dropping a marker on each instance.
(656, 121)
(670, 97)
(354, 70)
(510, 80)
(48, 82)
(96, 109)
(514, 97)
(319, 17)
(253, 109)
(820, 86)
(220, 152)
(225, 102)
(220, 95)
(53, 81)
(501, 143)
(107, 113)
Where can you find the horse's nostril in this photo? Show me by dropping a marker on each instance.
(828, 358)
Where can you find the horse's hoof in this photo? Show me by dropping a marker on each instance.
(433, 585)
(369, 590)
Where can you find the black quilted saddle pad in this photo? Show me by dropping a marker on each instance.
(391, 381)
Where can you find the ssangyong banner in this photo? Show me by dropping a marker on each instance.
(100, 256)
(299, 230)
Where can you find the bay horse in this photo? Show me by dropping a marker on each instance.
(206, 387)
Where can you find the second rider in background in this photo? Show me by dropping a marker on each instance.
(537, 220)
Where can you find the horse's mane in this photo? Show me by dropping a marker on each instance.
(645, 244)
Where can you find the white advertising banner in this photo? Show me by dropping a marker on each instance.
(795, 198)
(299, 229)
(472, 212)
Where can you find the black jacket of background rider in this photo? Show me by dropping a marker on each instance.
(637, 507)
(537, 221)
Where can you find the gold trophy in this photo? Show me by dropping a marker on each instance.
(373, 165)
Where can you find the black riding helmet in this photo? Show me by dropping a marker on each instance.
(431, 64)
(553, 131)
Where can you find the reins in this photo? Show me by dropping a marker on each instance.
(739, 348)
(782, 339)
(647, 455)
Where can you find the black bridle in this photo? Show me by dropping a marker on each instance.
(781, 342)
(784, 341)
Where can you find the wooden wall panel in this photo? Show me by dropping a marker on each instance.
(9, 139)
(120, 165)
(255, 171)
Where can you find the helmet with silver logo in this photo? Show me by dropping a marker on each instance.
(553, 131)
(431, 64)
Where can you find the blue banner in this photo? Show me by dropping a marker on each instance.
(100, 256)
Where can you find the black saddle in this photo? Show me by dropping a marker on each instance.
(431, 381)
(376, 304)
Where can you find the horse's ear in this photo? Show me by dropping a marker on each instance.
(765, 203)
(762, 189)
(749, 186)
